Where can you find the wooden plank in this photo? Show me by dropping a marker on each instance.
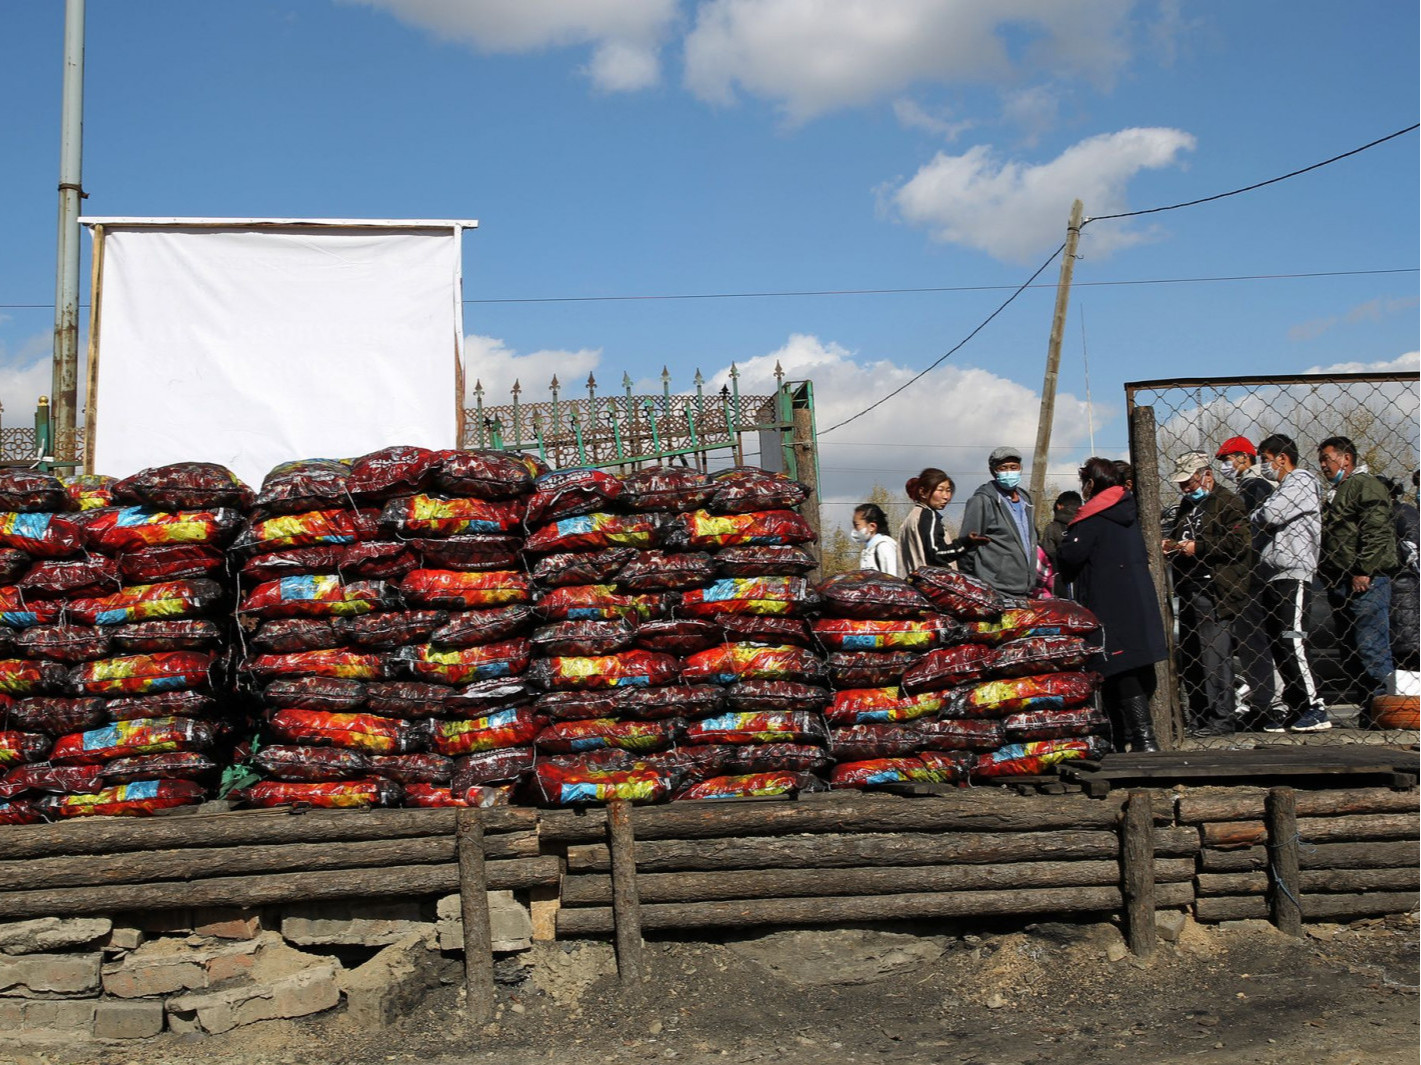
(273, 889)
(1312, 881)
(109, 835)
(1318, 856)
(206, 862)
(474, 915)
(1246, 804)
(810, 852)
(1352, 828)
(742, 913)
(1137, 860)
(1315, 907)
(594, 889)
(972, 810)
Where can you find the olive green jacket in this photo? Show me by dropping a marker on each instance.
(1358, 539)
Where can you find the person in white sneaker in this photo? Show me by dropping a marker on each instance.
(1290, 521)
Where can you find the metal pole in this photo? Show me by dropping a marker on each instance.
(1053, 361)
(64, 385)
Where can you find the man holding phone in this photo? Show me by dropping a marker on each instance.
(1211, 553)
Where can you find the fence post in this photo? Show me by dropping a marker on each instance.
(1137, 853)
(473, 910)
(1284, 884)
(805, 447)
(626, 902)
(1144, 456)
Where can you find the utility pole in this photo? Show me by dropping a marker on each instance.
(64, 386)
(1053, 361)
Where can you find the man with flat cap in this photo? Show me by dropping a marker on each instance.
(1001, 511)
(1210, 548)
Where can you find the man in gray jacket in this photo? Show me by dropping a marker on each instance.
(1001, 511)
(1290, 520)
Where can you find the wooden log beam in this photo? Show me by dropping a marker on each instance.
(1312, 881)
(1246, 804)
(1137, 874)
(1319, 856)
(1315, 907)
(626, 901)
(744, 913)
(923, 848)
(981, 810)
(109, 835)
(204, 862)
(276, 888)
(1285, 887)
(596, 889)
(1353, 828)
(474, 916)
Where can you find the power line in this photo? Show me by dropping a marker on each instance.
(891, 291)
(947, 354)
(1260, 184)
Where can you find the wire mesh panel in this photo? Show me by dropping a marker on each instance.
(1273, 634)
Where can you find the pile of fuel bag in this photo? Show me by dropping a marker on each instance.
(436, 628)
(115, 633)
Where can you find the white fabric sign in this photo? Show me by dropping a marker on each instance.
(253, 346)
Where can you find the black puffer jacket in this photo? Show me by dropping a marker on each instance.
(1103, 556)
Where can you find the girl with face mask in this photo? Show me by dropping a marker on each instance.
(880, 551)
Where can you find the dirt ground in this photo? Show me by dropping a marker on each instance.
(1044, 993)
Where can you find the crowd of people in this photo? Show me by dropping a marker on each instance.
(1254, 536)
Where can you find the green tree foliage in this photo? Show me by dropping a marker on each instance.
(838, 554)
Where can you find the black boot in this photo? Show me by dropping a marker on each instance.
(1138, 726)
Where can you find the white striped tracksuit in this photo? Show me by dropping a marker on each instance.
(1291, 519)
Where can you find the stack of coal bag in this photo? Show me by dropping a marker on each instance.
(1011, 682)
(647, 644)
(875, 630)
(378, 597)
(122, 645)
(755, 688)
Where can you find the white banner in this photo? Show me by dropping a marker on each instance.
(254, 345)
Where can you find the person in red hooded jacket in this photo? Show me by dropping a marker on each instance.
(1103, 557)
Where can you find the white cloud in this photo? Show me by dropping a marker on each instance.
(952, 419)
(1408, 363)
(813, 56)
(492, 363)
(1371, 311)
(21, 385)
(913, 115)
(626, 35)
(1033, 110)
(1016, 211)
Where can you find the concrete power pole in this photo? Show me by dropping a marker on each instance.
(64, 386)
(1041, 456)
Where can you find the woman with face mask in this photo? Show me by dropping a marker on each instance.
(923, 537)
(1103, 556)
(880, 551)
(1000, 513)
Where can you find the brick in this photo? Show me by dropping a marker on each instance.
(390, 984)
(62, 974)
(510, 924)
(1169, 924)
(226, 922)
(44, 934)
(543, 905)
(122, 938)
(355, 924)
(131, 1019)
(61, 1015)
(308, 991)
(163, 966)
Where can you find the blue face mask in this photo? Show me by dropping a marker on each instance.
(1198, 495)
(1337, 477)
(1008, 478)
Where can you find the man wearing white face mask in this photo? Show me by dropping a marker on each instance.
(1211, 549)
(1001, 511)
(1238, 466)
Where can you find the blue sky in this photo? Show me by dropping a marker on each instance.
(657, 147)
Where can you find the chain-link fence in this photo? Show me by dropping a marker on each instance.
(1267, 645)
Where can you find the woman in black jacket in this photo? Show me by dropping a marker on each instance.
(1103, 556)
